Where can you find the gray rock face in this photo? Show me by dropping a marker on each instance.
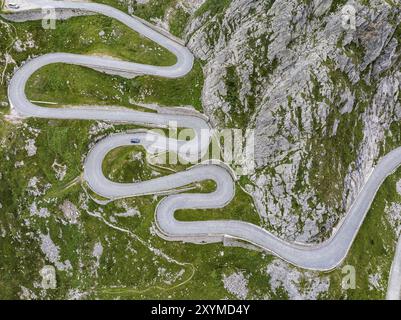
(320, 97)
(283, 276)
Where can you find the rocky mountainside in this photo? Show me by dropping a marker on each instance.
(322, 96)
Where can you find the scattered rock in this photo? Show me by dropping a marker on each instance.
(30, 147)
(298, 285)
(27, 294)
(236, 284)
(42, 212)
(52, 252)
(59, 169)
(393, 213)
(97, 253)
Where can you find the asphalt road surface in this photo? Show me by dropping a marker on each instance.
(394, 283)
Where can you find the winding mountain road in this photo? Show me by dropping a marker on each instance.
(324, 256)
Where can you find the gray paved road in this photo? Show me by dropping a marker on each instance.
(324, 256)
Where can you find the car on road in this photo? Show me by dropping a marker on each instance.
(13, 6)
(135, 140)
